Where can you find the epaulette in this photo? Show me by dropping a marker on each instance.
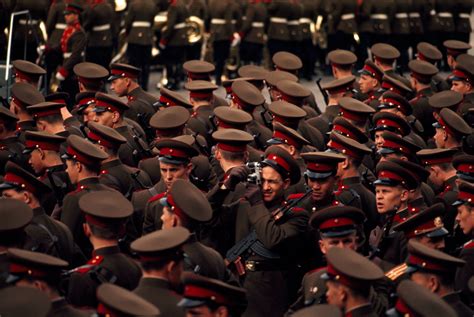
(396, 272)
(103, 172)
(96, 260)
(157, 197)
(294, 196)
(297, 209)
(79, 188)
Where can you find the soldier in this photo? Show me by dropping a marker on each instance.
(11, 148)
(342, 63)
(461, 21)
(385, 56)
(174, 160)
(445, 99)
(55, 26)
(330, 232)
(465, 219)
(341, 24)
(50, 236)
(440, 26)
(414, 299)
(278, 33)
(142, 105)
(138, 22)
(391, 193)
(394, 146)
(205, 296)
(48, 118)
(431, 54)
(370, 81)
(356, 112)
(350, 178)
(43, 149)
(310, 10)
(174, 41)
(247, 97)
(439, 269)
(118, 301)
(463, 76)
(252, 33)
(162, 260)
(202, 70)
(73, 43)
(113, 172)
(401, 30)
(296, 94)
(85, 104)
(463, 165)
(43, 272)
(192, 211)
(90, 76)
(24, 95)
(83, 166)
(273, 77)
(350, 276)
(105, 215)
(321, 178)
(109, 111)
(453, 49)
(97, 24)
(27, 72)
(198, 11)
(200, 96)
(450, 130)
(387, 121)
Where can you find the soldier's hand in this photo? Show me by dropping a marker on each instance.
(237, 175)
(253, 194)
(235, 39)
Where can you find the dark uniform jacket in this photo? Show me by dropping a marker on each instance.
(310, 10)
(464, 273)
(55, 24)
(462, 19)
(341, 16)
(441, 16)
(73, 43)
(158, 292)
(455, 302)
(139, 21)
(38, 12)
(130, 153)
(11, 149)
(107, 264)
(140, 205)
(224, 18)
(253, 26)
(417, 14)
(423, 112)
(98, 24)
(60, 308)
(71, 214)
(401, 21)
(58, 180)
(380, 15)
(175, 33)
(279, 12)
(294, 27)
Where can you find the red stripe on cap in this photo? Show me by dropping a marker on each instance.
(175, 209)
(280, 161)
(227, 125)
(199, 76)
(455, 52)
(377, 75)
(103, 310)
(402, 308)
(241, 104)
(343, 149)
(466, 196)
(466, 168)
(96, 221)
(446, 127)
(342, 129)
(168, 101)
(196, 292)
(436, 160)
(344, 279)
(201, 94)
(110, 107)
(390, 175)
(292, 99)
(25, 76)
(336, 222)
(19, 102)
(286, 138)
(63, 101)
(33, 272)
(49, 112)
(318, 167)
(389, 86)
(122, 73)
(166, 151)
(99, 139)
(388, 123)
(395, 146)
(232, 148)
(80, 157)
(420, 262)
(352, 115)
(21, 182)
(30, 144)
(461, 74)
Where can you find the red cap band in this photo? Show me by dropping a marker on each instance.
(336, 222)
(232, 148)
(201, 94)
(122, 73)
(99, 139)
(402, 308)
(398, 147)
(169, 102)
(292, 99)
(373, 72)
(343, 149)
(30, 144)
(286, 138)
(390, 175)
(466, 168)
(81, 157)
(166, 151)
(318, 167)
(102, 104)
(417, 261)
(25, 76)
(23, 183)
(280, 161)
(18, 268)
(194, 291)
(389, 86)
(352, 115)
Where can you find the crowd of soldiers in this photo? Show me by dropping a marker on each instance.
(119, 202)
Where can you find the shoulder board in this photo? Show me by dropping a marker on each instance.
(294, 196)
(297, 209)
(89, 266)
(157, 197)
(396, 272)
(103, 172)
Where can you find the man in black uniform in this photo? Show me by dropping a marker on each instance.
(50, 236)
(105, 215)
(55, 26)
(27, 72)
(24, 95)
(90, 76)
(252, 33)
(73, 43)
(11, 148)
(162, 260)
(110, 111)
(43, 272)
(83, 166)
(462, 80)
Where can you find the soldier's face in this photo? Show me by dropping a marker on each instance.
(88, 114)
(367, 83)
(435, 177)
(428, 281)
(120, 86)
(14, 194)
(273, 185)
(36, 161)
(168, 218)
(465, 218)
(378, 139)
(335, 294)
(322, 188)
(346, 242)
(461, 86)
(172, 172)
(105, 118)
(72, 171)
(440, 138)
(434, 243)
(388, 198)
(70, 18)
(274, 94)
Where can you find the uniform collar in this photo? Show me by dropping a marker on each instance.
(112, 163)
(88, 181)
(106, 250)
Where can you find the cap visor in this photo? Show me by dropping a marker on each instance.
(273, 141)
(6, 185)
(392, 312)
(458, 203)
(437, 125)
(173, 161)
(190, 303)
(338, 233)
(440, 232)
(386, 150)
(385, 182)
(384, 106)
(325, 276)
(66, 156)
(164, 202)
(113, 77)
(27, 151)
(99, 109)
(314, 175)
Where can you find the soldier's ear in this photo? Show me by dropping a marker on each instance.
(404, 195)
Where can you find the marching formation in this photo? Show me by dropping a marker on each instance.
(119, 202)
